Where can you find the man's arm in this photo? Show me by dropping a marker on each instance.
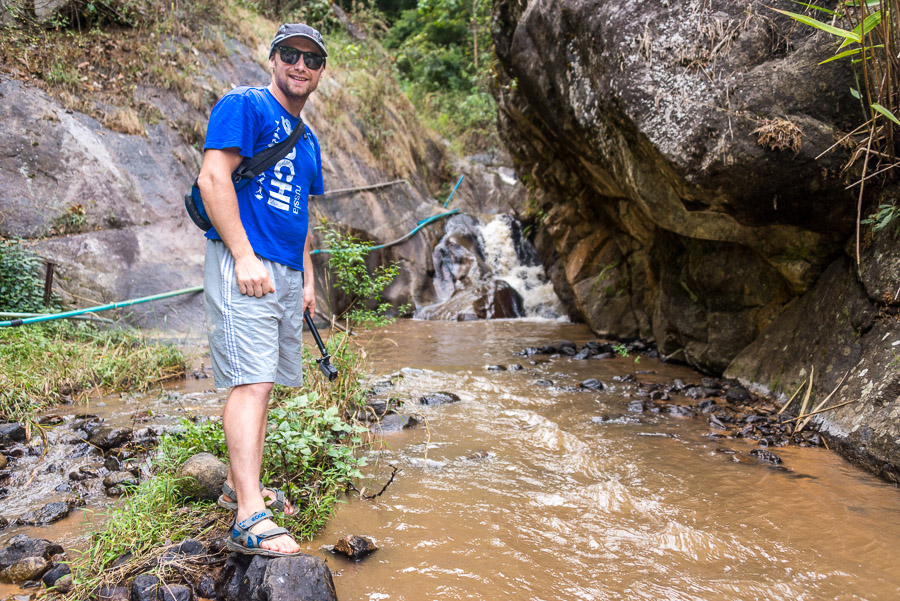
(309, 284)
(220, 201)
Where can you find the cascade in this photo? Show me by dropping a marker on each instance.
(488, 270)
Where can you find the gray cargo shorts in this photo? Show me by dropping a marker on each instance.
(252, 340)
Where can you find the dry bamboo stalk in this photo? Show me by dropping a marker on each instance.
(790, 400)
(821, 410)
(812, 371)
(822, 404)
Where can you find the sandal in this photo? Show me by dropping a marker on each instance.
(277, 504)
(246, 542)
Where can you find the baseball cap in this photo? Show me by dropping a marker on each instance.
(298, 30)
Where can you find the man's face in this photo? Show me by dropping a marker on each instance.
(295, 81)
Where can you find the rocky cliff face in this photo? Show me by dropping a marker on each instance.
(671, 149)
(636, 124)
(106, 206)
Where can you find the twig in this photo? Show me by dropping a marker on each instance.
(822, 404)
(383, 488)
(793, 396)
(821, 410)
(862, 188)
(812, 370)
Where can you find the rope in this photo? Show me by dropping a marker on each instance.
(119, 305)
(362, 188)
(421, 224)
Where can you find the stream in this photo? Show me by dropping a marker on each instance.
(525, 490)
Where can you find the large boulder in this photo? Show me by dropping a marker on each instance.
(26, 558)
(202, 476)
(257, 578)
(665, 211)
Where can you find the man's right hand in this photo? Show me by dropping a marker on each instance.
(252, 276)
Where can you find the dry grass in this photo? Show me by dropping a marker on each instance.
(779, 134)
(125, 120)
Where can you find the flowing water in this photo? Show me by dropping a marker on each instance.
(536, 493)
(540, 493)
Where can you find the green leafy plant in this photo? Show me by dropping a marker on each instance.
(21, 284)
(883, 217)
(347, 264)
(867, 32)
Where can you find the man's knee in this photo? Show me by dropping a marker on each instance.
(258, 391)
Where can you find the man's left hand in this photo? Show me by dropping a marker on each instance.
(309, 296)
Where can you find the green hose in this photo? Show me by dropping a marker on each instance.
(119, 305)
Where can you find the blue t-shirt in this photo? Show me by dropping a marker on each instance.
(274, 207)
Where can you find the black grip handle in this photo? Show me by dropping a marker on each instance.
(325, 365)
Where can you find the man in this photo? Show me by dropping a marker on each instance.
(258, 275)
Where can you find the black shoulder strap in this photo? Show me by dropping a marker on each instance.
(250, 168)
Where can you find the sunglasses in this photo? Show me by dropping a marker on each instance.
(292, 55)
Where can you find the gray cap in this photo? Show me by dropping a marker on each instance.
(298, 30)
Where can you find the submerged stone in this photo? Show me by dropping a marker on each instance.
(49, 513)
(439, 398)
(355, 547)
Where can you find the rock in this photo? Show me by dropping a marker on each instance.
(107, 438)
(543, 382)
(27, 568)
(3, 462)
(190, 546)
(738, 395)
(207, 587)
(592, 384)
(175, 592)
(636, 406)
(112, 464)
(679, 410)
(55, 573)
(3, 522)
(515, 367)
(64, 584)
(707, 406)
(439, 398)
(566, 347)
(113, 593)
(202, 477)
(285, 576)
(11, 433)
(495, 367)
(394, 422)
(766, 456)
(355, 547)
(49, 513)
(120, 479)
(22, 546)
(145, 588)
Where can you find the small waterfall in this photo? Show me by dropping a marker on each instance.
(489, 270)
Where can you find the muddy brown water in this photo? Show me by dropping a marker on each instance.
(527, 492)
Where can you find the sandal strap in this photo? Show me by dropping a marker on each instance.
(278, 503)
(230, 492)
(240, 531)
(253, 519)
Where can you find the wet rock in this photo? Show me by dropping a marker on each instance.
(566, 347)
(543, 382)
(495, 367)
(3, 462)
(707, 406)
(355, 547)
(285, 576)
(528, 352)
(679, 410)
(716, 423)
(659, 395)
(700, 392)
(89, 471)
(438, 398)
(515, 367)
(766, 456)
(202, 476)
(145, 588)
(87, 423)
(76, 476)
(625, 378)
(394, 422)
(378, 406)
(49, 513)
(107, 438)
(678, 385)
(121, 479)
(592, 384)
(55, 574)
(636, 406)
(112, 464)
(27, 568)
(11, 433)
(83, 449)
(3, 522)
(738, 394)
